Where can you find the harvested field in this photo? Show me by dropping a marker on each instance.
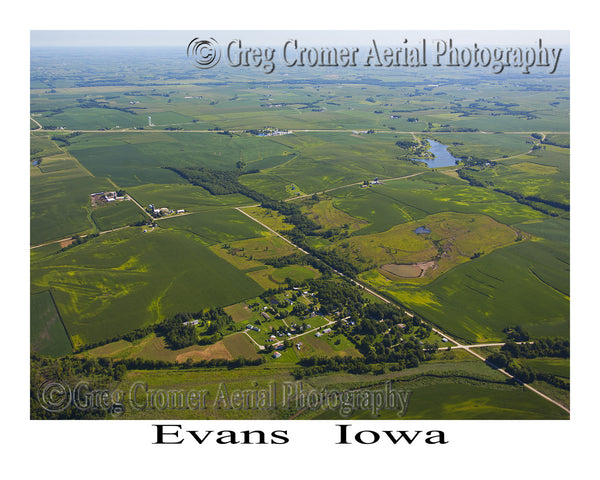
(415, 270)
(197, 352)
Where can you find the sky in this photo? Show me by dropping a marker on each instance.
(146, 38)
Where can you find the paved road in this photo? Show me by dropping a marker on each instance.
(351, 185)
(467, 348)
(239, 209)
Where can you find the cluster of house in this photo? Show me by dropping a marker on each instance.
(106, 196)
(163, 211)
(277, 353)
(372, 182)
(323, 332)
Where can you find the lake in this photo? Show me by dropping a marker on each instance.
(442, 158)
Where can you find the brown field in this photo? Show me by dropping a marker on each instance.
(204, 352)
(154, 348)
(66, 243)
(415, 270)
(239, 345)
(405, 271)
(110, 349)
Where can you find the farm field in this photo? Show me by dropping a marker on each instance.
(47, 334)
(60, 204)
(521, 284)
(214, 226)
(117, 214)
(126, 279)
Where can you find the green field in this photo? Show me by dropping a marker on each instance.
(183, 197)
(127, 279)
(137, 158)
(524, 284)
(47, 334)
(117, 214)
(215, 226)
(60, 205)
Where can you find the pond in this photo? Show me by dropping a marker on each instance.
(442, 158)
(422, 230)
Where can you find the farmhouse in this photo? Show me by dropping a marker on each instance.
(276, 355)
(265, 315)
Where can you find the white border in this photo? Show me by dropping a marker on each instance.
(477, 449)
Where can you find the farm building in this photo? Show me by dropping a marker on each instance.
(276, 355)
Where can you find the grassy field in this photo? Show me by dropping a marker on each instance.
(542, 173)
(327, 215)
(560, 367)
(103, 291)
(453, 239)
(402, 201)
(47, 334)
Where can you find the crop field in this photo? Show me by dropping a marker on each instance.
(183, 197)
(336, 159)
(60, 204)
(117, 214)
(103, 291)
(543, 174)
(214, 226)
(524, 284)
(141, 160)
(47, 335)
